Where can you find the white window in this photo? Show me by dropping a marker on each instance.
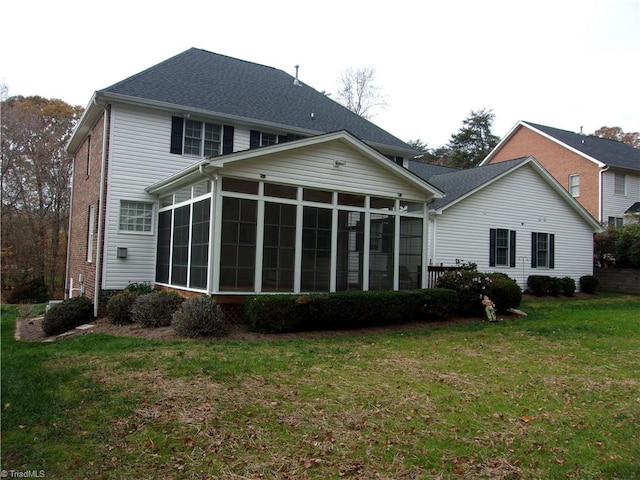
(135, 217)
(268, 139)
(90, 232)
(615, 222)
(620, 184)
(574, 185)
(202, 139)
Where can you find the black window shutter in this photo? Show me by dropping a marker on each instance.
(177, 126)
(552, 251)
(492, 247)
(398, 160)
(512, 248)
(254, 139)
(227, 139)
(534, 249)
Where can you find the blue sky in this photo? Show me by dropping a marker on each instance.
(562, 63)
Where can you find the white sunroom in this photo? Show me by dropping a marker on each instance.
(321, 214)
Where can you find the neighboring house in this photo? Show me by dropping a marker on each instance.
(511, 217)
(603, 175)
(215, 175)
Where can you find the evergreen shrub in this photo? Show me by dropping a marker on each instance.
(66, 315)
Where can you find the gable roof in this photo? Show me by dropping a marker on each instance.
(459, 184)
(213, 164)
(602, 151)
(250, 93)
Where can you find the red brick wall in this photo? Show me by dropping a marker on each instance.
(559, 162)
(86, 191)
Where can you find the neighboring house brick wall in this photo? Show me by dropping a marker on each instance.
(558, 161)
(86, 192)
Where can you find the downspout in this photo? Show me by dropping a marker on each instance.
(67, 287)
(100, 242)
(601, 193)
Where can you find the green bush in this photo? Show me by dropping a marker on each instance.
(139, 288)
(199, 316)
(66, 315)
(568, 286)
(341, 310)
(470, 285)
(155, 309)
(627, 246)
(119, 307)
(588, 284)
(505, 292)
(555, 286)
(539, 284)
(28, 290)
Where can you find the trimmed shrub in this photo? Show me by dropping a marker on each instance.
(588, 284)
(341, 310)
(119, 307)
(568, 286)
(139, 288)
(66, 315)
(555, 286)
(505, 292)
(539, 284)
(155, 309)
(197, 317)
(470, 285)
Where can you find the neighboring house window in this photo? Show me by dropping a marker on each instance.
(90, 232)
(574, 185)
(135, 217)
(615, 222)
(502, 247)
(542, 250)
(620, 184)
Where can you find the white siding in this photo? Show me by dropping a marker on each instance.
(313, 167)
(614, 205)
(524, 202)
(138, 157)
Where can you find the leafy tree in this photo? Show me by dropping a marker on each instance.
(359, 93)
(616, 133)
(474, 140)
(35, 185)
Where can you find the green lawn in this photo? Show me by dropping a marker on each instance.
(552, 395)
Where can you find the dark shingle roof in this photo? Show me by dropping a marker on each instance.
(609, 152)
(457, 183)
(228, 86)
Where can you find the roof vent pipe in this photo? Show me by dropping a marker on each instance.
(296, 81)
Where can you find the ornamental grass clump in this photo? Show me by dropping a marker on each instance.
(199, 317)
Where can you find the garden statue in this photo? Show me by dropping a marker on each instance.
(489, 308)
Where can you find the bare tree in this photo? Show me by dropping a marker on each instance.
(36, 172)
(359, 93)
